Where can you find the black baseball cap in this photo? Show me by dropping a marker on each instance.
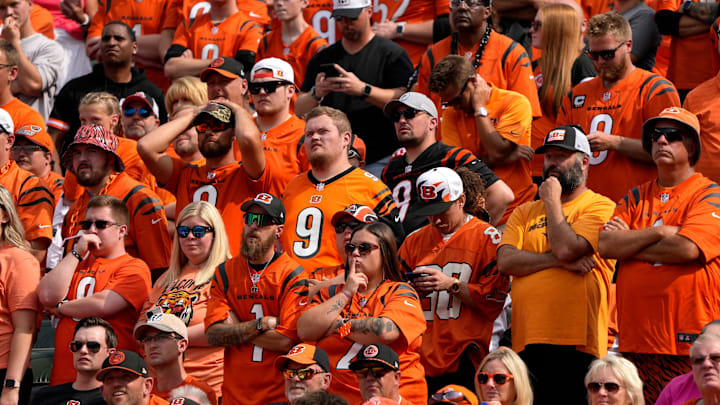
(271, 204)
(123, 360)
(376, 353)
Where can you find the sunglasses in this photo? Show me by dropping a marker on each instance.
(610, 387)
(93, 347)
(198, 231)
(27, 148)
(99, 224)
(258, 219)
(670, 134)
(301, 373)
(698, 360)
(498, 378)
(449, 395)
(142, 111)
(408, 113)
(269, 87)
(214, 126)
(364, 248)
(458, 99)
(341, 227)
(159, 337)
(377, 372)
(352, 154)
(606, 54)
(470, 3)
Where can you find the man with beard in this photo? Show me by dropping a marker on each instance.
(222, 180)
(416, 121)
(559, 289)
(612, 107)
(255, 300)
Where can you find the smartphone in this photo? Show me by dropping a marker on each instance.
(410, 276)
(329, 70)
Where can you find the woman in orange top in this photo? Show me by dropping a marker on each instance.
(200, 244)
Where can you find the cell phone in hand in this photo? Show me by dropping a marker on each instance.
(329, 70)
(410, 276)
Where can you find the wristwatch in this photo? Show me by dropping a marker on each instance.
(12, 384)
(455, 287)
(315, 96)
(400, 28)
(366, 90)
(481, 112)
(259, 325)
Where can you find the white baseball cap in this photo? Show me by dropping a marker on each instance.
(414, 100)
(279, 69)
(349, 8)
(437, 189)
(6, 122)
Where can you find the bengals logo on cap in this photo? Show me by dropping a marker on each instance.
(428, 192)
(217, 62)
(296, 350)
(72, 402)
(28, 130)
(178, 401)
(264, 198)
(370, 351)
(671, 110)
(116, 358)
(556, 135)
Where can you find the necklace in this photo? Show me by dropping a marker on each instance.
(255, 276)
(481, 48)
(362, 301)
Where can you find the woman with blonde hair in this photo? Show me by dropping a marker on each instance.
(19, 305)
(199, 246)
(502, 379)
(614, 380)
(187, 90)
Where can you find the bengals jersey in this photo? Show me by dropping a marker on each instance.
(186, 11)
(33, 200)
(55, 184)
(209, 41)
(281, 292)
(125, 275)
(666, 305)
(297, 54)
(704, 101)
(401, 177)
(309, 236)
(318, 14)
(148, 238)
(620, 111)
(225, 187)
(504, 63)
(285, 153)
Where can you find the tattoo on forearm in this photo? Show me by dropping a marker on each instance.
(231, 334)
(705, 12)
(337, 305)
(376, 326)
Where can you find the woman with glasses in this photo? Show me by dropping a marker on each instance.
(19, 306)
(199, 246)
(614, 380)
(373, 305)
(502, 379)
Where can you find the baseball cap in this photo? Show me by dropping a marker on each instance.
(414, 100)
(123, 360)
(356, 146)
(144, 98)
(304, 354)
(438, 188)
(279, 69)
(217, 111)
(271, 204)
(182, 401)
(680, 115)
(454, 394)
(376, 353)
(97, 136)
(349, 8)
(570, 137)
(36, 135)
(156, 318)
(359, 212)
(6, 122)
(230, 68)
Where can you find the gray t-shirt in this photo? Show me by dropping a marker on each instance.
(645, 36)
(48, 57)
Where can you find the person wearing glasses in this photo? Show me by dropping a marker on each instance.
(377, 368)
(255, 300)
(306, 369)
(612, 107)
(140, 115)
(502, 379)
(96, 278)
(199, 246)
(453, 394)
(164, 339)
(705, 360)
(614, 380)
(33, 151)
(416, 123)
(372, 305)
(663, 234)
(93, 341)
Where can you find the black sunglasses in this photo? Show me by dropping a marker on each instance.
(258, 219)
(364, 248)
(610, 387)
(99, 224)
(27, 148)
(92, 346)
(458, 98)
(408, 113)
(606, 54)
(498, 378)
(215, 126)
(670, 134)
(269, 87)
(198, 231)
(340, 228)
(142, 111)
(698, 360)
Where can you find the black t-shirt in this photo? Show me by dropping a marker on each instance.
(63, 394)
(381, 63)
(400, 177)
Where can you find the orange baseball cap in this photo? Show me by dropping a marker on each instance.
(357, 145)
(362, 213)
(680, 115)
(36, 135)
(305, 354)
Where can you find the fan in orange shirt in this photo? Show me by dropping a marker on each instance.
(318, 14)
(125, 375)
(33, 151)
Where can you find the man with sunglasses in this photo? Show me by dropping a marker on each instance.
(416, 122)
(96, 278)
(140, 115)
(164, 338)
(93, 341)
(664, 235)
(377, 368)
(306, 369)
(612, 106)
(255, 300)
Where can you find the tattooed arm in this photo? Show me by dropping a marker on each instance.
(704, 12)
(373, 330)
(321, 320)
(229, 333)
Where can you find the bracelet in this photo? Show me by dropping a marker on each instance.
(57, 307)
(76, 254)
(346, 294)
(86, 20)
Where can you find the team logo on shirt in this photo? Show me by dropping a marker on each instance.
(214, 30)
(578, 101)
(116, 358)
(606, 96)
(210, 175)
(315, 199)
(664, 197)
(370, 351)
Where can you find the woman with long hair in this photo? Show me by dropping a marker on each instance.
(373, 305)
(502, 379)
(199, 246)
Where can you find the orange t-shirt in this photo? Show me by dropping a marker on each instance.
(155, 400)
(127, 276)
(620, 111)
(504, 63)
(188, 10)
(554, 305)
(470, 256)
(511, 115)
(55, 182)
(283, 294)
(393, 300)
(33, 200)
(42, 21)
(19, 279)
(189, 380)
(188, 301)
(297, 54)
(666, 305)
(148, 238)
(285, 154)
(594, 7)
(209, 41)
(704, 101)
